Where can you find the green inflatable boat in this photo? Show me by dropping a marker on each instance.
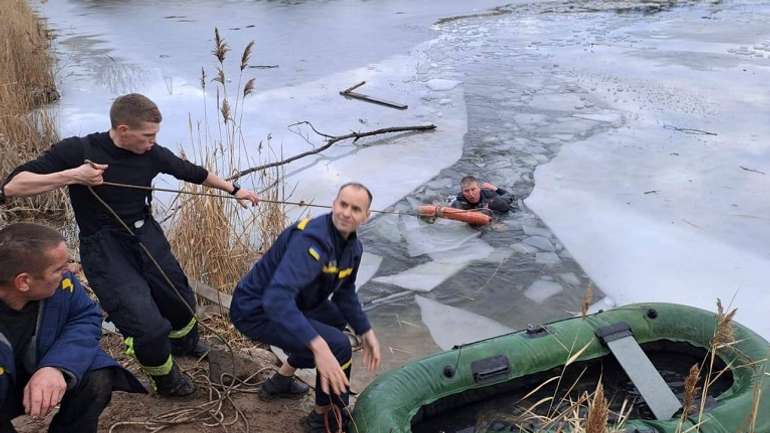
(641, 353)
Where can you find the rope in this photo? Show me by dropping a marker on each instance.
(294, 203)
(232, 197)
(211, 409)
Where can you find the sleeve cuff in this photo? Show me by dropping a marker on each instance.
(69, 378)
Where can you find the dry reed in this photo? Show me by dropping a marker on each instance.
(690, 391)
(215, 240)
(724, 336)
(26, 127)
(587, 300)
(598, 412)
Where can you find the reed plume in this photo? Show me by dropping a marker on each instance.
(598, 412)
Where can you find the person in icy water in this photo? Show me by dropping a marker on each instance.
(300, 296)
(476, 195)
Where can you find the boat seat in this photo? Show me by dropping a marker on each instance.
(656, 393)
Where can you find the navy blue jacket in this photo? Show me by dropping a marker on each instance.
(307, 263)
(67, 337)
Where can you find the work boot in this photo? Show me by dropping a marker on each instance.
(189, 345)
(326, 423)
(280, 386)
(199, 350)
(173, 384)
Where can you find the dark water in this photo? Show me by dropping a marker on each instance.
(509, 407)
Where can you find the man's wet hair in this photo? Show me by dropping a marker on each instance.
(132, 110)
(23, 248)
(467, 180)
(359, 186)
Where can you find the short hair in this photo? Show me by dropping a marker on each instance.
(359, 186)
(467, 180)
(23, 248)
(132, 110)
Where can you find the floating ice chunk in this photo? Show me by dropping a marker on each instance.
(523, 248)
(444, 101)
(387, 227)
(570, 278)
(450, 326)
(605, 116)
(368, 267)
(536, 231)
(440, 84)
(529, 119)
(605, 303)
(499, 255)
(473, 249)
(549, 259)
(540, 243)
(541, 290)
(424, 277)
(444, 235)
(555, 101)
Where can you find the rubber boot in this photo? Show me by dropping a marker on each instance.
(173, 384)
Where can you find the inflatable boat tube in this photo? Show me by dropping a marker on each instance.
(402, 396)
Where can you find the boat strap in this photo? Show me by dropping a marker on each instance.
(656, 393)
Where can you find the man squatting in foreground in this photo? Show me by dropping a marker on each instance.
(49, 337)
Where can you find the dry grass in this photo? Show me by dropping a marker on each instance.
(215, 239)
(26, 128)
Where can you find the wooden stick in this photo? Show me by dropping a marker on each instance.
(349, 93)
(354, 87)
(374, 100)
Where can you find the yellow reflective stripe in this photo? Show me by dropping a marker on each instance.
(329, 269)
(181, 333)
(347, 365)
(129, 342)
(160, 370)
(66, 284)
(345, 272)
(303, 223)
(313, 253)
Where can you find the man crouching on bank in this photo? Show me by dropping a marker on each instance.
(284, 301)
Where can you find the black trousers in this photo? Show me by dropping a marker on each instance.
(328, 321)
(79, 410)
(136, 297)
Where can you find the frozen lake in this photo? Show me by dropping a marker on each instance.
(637, 136)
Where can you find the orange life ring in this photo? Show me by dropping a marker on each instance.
(474, 217)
